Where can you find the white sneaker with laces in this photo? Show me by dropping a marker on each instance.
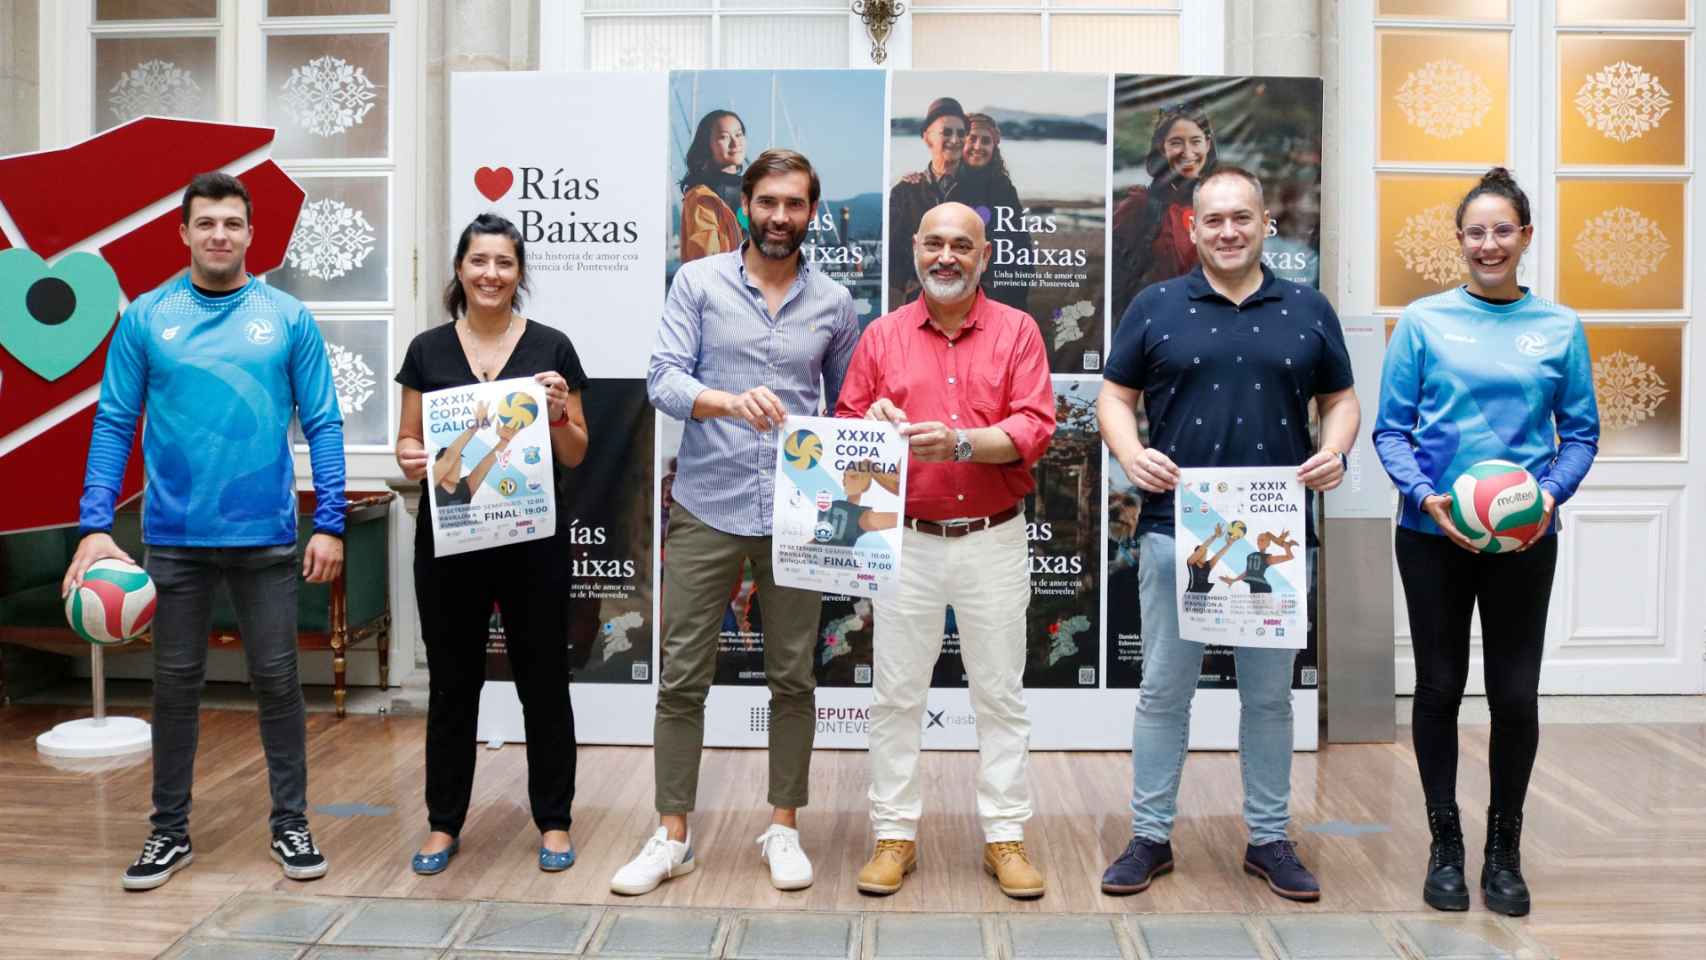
(790, 869)
(659, 860)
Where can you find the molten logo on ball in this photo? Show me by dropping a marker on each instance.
(1497, 505)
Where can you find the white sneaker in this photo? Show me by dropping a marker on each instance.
(660, 859)
(790, 869)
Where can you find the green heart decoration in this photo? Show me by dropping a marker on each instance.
(52, 318)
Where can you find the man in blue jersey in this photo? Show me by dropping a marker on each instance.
(220, 362)
(1225, 361)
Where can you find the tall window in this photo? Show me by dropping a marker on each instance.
(331, 77)
(1160, 36)
(1589, 103)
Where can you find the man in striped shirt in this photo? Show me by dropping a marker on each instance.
(747, 337)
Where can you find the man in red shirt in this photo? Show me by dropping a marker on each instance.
(966, 379)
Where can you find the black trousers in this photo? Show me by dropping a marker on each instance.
(1443, 584)
(530, 584)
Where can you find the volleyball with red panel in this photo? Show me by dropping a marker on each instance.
(113, 604)
(1497, 505)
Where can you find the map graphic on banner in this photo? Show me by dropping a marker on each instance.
(489, 465)
(840, 489)
(1241, 567)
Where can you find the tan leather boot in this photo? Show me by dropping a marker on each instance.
(888, 867)
(1011, 867)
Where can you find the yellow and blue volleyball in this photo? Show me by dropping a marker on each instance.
(518, 410)
(114, 603)
(802, 450)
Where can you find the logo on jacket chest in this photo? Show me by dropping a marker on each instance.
(259, 330)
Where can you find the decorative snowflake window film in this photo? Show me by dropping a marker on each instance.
(1428, 244)
(154, 87)
(1622, 101)
(1620, 246)
(1628, 389)
(1444, 99)
(331, 239)
(352, 377)
(328, 95)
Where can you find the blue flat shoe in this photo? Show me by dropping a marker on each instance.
(427, 864)
(556, 861)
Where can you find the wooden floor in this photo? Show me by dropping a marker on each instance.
(1615, 847)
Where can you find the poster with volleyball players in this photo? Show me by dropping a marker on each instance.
(489, 465)
(840, 488)
(1242, 569)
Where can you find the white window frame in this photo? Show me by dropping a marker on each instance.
(67, 32)
(1202, 30)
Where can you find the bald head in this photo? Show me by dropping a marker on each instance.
(953, 217)
(950, 252)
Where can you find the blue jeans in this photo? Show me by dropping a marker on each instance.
(262, 583)
(1161, 730)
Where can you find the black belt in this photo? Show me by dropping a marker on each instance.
(960, 528)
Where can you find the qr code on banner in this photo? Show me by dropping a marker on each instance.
(641, 671)
(1092, 360)
(862, 673)
(1309, 676)
(1086, 676)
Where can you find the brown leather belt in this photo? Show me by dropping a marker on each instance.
(960, 528)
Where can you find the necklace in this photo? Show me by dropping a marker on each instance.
(483, 368)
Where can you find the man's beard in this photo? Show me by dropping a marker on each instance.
(773, 249)
(949, 291)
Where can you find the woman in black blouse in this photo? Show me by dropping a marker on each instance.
(529, 582)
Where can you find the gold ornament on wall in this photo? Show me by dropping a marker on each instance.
(1637, 382)
(1623, 100)
(1445, 96)
(879, 17)
(1419, 252)
(1621, 244)
(1428, 245)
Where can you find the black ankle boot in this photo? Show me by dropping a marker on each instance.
(1445, 888)
(1502, 886)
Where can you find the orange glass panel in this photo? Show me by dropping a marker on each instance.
(1620, 244)
(1621, 100)
(1419, 254)
(1445, 96)
(1622, 11)
(1637, 379)
(1444, 9)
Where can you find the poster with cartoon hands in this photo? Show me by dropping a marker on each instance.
(1242, 571)
(489, 465)
(840, 490)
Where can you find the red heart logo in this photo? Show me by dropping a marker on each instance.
(494, 183)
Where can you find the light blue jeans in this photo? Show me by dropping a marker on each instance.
(1161, 730)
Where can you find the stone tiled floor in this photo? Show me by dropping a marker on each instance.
(279, 927)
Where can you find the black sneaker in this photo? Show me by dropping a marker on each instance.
(162, 856)
(293, 848)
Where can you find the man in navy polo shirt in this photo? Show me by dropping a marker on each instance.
(1225, 359)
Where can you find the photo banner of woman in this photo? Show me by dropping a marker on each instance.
(1028, 152)
(488, 465)
(1242, 576)
(1169, 131)
(721, 119)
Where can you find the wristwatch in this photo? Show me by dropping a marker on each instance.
(1344, 460)
(962, 446)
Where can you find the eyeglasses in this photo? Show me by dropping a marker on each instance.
(1502, 232)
